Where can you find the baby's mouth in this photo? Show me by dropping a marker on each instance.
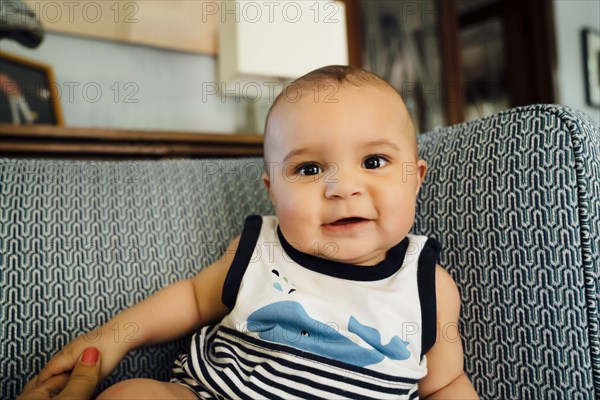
(346, 225)
(346, 221)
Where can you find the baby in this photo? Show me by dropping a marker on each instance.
(330, 298)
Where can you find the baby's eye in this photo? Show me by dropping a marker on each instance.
(374, 162)
(309, 169)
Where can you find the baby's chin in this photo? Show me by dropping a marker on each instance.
(355, 258)
(331, 251)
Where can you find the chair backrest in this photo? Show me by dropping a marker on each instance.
(81, 241)
(515, 200)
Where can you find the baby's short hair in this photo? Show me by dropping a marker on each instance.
(322, 78)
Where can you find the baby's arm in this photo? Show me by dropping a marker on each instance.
(171, 313)
(446, 378)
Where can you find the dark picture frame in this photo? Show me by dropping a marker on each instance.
(590, 39)
(28, 92)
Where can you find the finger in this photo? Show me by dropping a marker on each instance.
(84, 378)
(30, 385)
(57, 365)
(46, 390)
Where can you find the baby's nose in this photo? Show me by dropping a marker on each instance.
(343, 185)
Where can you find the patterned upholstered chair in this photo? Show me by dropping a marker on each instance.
(514, 198)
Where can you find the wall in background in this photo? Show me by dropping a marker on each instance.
(112, 85)
(571, 16)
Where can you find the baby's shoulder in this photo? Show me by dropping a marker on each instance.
(447, 294)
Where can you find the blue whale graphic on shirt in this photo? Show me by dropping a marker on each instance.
(286, 322)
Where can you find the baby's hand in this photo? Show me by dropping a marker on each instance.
(66, 359)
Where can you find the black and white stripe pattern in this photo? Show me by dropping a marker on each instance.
(227, 364)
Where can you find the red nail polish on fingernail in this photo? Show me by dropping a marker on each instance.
(90, 356)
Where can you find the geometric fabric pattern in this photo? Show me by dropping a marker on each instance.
(513, 198)
(84, 240)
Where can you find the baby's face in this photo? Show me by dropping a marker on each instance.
(344, 176)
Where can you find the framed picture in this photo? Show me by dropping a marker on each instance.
(28, 92)
(591, 65)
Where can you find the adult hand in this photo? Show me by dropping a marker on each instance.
(79, 384)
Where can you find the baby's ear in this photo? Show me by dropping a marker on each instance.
(267, 181)
(421, 172)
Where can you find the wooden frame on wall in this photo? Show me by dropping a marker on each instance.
(28, 92)
(138, 22)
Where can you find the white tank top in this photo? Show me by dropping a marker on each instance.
(302, 326)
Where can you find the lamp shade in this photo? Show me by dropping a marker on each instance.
(267, 41)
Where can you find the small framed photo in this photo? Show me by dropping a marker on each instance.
(591, 63)
(28, 92)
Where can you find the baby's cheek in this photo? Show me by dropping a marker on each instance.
(398, 207)
(392, 197)
(292, 215)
